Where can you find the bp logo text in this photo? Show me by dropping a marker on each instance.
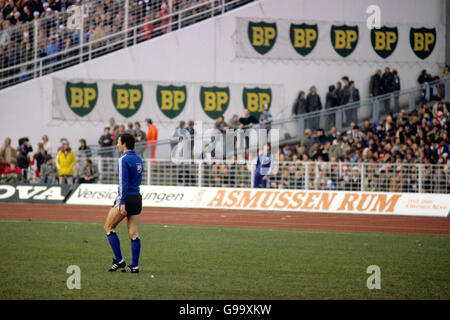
(254, 100)
(262, 36)
(81, 97)
(384, 40)
(127, 98)
(344, 39)
(303, 37)
(214, 100)
(171, 100)
(422, 41)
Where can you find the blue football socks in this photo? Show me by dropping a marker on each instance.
(113, 239)
(135, 251)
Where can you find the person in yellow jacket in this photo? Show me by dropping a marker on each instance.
(65, 162)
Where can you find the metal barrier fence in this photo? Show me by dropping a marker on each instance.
(379, 177)
(89, 29)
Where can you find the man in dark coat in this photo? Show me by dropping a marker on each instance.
(299, 106)
(375, 84)
(331, 101)
(313, 103)
(351, 115)
(387, 83)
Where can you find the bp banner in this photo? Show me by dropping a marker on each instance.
(99, 99)
(317, 40)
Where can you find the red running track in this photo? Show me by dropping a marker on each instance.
(237, 218)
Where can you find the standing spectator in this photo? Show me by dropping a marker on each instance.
(65, 162)
(48, 172)
(264, 166)
(234, 122)
(84, 151)
(339, 93)
(146, 30)
(51, 49)
(141, 137)
(387, 81)
(152, 138)
(98, 37)
(7, 153)
(178, 135)
(40, 156)
(223, 127)
(345, 91)
(130, 129)
(299, 106)
(61, 141)
(354, 181)
(90, 172)
(265, 119)
(47, 144)
(23, 160)
(352, 114)
(117, 133)
(375, 84)
(331, 101)
(396, 88)
(191, 133)
(247, 121)
(313, 104)
(164, 17)
(105, 141)
(111, 124)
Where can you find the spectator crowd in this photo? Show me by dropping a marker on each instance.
(102, 23)
(392, 146)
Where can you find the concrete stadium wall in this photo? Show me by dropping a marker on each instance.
(205, 53)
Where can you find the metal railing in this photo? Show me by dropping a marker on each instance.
(87, 31)
(341, 176)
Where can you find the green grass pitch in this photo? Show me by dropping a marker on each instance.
(220, 263)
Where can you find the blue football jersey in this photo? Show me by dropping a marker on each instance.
(130, 174)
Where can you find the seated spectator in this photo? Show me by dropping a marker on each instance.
(49, 172)
(12, 173)
(90, 172)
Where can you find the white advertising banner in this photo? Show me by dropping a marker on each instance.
(273, 200)
(318, 40)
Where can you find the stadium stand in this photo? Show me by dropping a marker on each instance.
(39, 37)
(395, 148)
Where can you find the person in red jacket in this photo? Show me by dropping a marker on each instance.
(146, 30)
(12, 173)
